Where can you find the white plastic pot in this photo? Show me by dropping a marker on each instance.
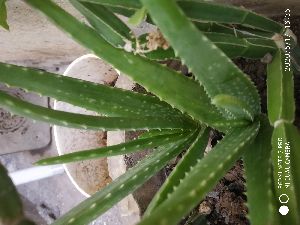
(88, 176)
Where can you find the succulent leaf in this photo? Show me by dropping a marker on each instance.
(190, 159)
(209, 12)
(250, 47)
(281, 113)
(221, 13)
(95, 97)
(202, 177)
(109, 26)
(240, 32)
(138, 17)
(120, 149)
(232, 46)
(97, 204)
(11, 209)
(233, 104)
(121, 11)
(160, 54)
(128, 4)
(209, 64)
(10, 203)
(3, 15)
(142, 70)
(153, 133)
(292, 134)
(258, 171)
(81, 121)
(280, 88)
(285, 171)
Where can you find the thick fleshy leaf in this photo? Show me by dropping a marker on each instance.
(190, 158)
(281, 113)
(153, 133)
(138, 17)
(11, 210)
(209, 12)
(223, 13)
(285, 155)
(120, 149)
(3, 15)
(95, 97)
(81, 121)
(206, 61)
(128, 4)
(109, 26)
(241, 32)
(258, 171)
(10, 203)
(97, 204)
(202, 177)
(232, 46)
(149, 74)
(280, 87)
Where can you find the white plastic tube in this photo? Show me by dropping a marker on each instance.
(35, 173)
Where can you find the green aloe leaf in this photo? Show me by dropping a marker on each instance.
(120, 149)
(250, 47)
(209, 12)
(233, 104)
(240, 32)
(281, 113)
(3, 15)
(128, 4)
(11, 209)
(95, 97)
(293, 136)
(202, 177)
(160, 54)
(138, 17)
(153, 133)
(97, 204)
(109, 26)
(281, 103)
(285, 143)
(10, 203)
(222, 13)
(209, 64)
(80, 121)
(149, 74)
(190, 158)
(258, 172)
(232, 46)
(121, 11)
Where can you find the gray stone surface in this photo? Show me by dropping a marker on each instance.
(49, 198)
(14, 129)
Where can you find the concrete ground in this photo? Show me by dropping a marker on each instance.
(48, 199)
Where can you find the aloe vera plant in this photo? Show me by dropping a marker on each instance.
(182, 111)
